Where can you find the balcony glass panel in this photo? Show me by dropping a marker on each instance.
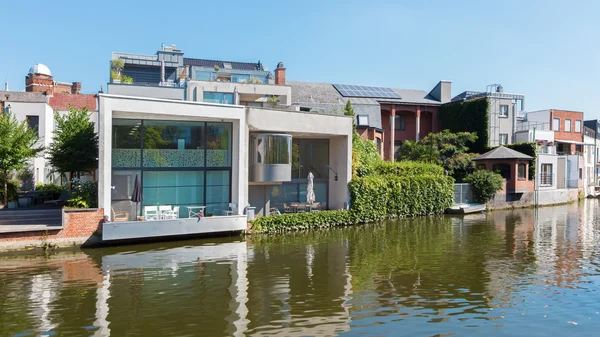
(126, 142)
(218, 97)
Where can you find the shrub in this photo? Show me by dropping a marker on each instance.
(307, 220)
(376, 198)
(407, 168)
(84, 194)
(364, 156)
(56, 189)
(484, 184)
(373, 199)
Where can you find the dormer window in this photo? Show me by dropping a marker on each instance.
(362, 120)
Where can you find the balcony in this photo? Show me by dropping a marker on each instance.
(525, 126)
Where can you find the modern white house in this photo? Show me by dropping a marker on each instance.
(217, 158)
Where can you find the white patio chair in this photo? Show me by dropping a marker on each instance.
(232, 209)
(174, 213)
(165, 211)
(150, 213)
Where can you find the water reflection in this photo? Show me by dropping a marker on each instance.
(526, 272)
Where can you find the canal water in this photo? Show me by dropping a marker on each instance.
(510, 273)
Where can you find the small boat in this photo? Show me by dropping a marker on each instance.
(466, 209)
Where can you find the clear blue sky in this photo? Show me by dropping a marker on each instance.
(548, 50)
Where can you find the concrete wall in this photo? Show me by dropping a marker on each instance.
(528, 136)
(162, 228)
(501, 125)
(338, 129)
(195, 90)
(46, 126)
(146, 91)
(157, 109)
(546, 159)
(542, 116)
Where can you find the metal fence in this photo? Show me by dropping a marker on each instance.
(546, 179)
(462, 194)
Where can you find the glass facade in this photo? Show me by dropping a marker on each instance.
(308, 155)
(218, 97)
(180, 164)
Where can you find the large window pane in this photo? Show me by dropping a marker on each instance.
(218, 97)
(123, 181)
(174, 188)
(218, 144)
(277, 150)
(310, 156)
(126, 143)
(217, 192)
(173, 144)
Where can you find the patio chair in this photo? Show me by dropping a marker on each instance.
(274, 210)
(150, 213)
(315, 207)
(119, 216)
(287, 208)
(232, 209)
(171, 215)
(164, 212)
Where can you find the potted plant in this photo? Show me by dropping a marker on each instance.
(126, 79)
(116, 66)
(13, 202)
(217, 68)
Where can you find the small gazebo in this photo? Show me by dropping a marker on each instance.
(512, 165)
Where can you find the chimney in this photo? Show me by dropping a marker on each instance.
(5, 86)
(442, 91)
(280, 74)
(76, 88)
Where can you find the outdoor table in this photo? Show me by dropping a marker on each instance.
(195, 211)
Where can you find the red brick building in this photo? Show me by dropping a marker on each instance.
(385, 115)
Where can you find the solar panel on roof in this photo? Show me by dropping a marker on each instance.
(348, 90)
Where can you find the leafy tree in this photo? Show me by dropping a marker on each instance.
(74, 148)
(445, 148)
(418, 151)
(17, 145)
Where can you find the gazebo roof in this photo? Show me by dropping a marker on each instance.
(503, 153)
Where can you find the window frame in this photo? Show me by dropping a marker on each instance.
(557, 124)
(28, 121)
(360, 120)
(397, 125)
(570, 124)
(500, 138)
(521, 166)
(578, 125)
(501, 114)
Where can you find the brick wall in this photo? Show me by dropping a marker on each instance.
(76, 224)
(62, 102)
(573, 116)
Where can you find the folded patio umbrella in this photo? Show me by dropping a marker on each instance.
(136, 194)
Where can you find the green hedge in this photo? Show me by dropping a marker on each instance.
(469, 116)
(373, 198)
(407, 168)
(379, 197)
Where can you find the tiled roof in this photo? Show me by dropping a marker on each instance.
(220, 64)
(62, 102)
(19, 96)
(503, 153)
